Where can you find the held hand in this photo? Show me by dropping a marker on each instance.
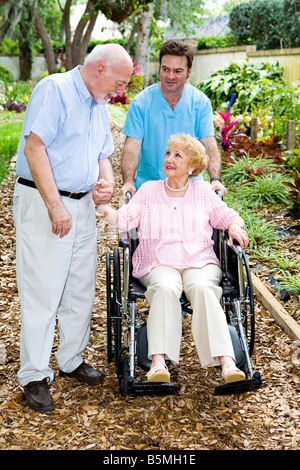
(127, 188)
(103, 192)
(235, 232)
(218, 186)
(60, 219)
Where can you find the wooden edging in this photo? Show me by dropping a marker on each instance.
(287, 323)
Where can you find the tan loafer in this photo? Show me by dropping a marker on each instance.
(158, 373)
(231, 373)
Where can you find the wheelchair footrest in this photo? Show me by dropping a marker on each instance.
(137, 388)
(243, 386)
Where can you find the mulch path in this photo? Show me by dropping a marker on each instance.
(99, 418)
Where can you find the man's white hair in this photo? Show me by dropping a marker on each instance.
(109, 53)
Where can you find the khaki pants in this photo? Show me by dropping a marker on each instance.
(164, 325)
(56, 280)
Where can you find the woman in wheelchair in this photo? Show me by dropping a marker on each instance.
(175, 218)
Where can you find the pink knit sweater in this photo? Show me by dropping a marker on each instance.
(150, 210)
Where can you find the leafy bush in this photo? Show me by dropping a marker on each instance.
(6, 76)
(293, 170)
(215, 42)
(270, 24)
(9, 140)
(265, 190)
(246, 168)
(261, 92)
(248, 80)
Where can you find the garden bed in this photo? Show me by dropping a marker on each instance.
(98, 418)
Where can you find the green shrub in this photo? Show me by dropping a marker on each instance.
(10, 133)
(215, 42)
(265, 190)
(6, 76)
(249, 81)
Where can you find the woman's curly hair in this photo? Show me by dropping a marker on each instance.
(193, 148)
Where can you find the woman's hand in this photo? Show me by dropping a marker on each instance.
(236, 232)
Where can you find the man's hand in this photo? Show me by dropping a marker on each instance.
(218, 186)
(103, 192)
(127, 188)
(60, 219)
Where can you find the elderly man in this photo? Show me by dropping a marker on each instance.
(161, 110)
(64, 149)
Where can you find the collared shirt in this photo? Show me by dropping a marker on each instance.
(151, 119)
(73, 127)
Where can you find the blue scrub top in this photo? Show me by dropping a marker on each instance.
(151, 119)
(73, 127)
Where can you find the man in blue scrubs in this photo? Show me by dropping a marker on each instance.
(63, 153)
(169, 107)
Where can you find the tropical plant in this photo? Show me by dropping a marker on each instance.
(246, 168)
(227, 132)
(265, 190)
(247, 80)
(290, 282)
(260, 234)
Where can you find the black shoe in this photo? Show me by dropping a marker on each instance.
(85, 373)
(38, 395)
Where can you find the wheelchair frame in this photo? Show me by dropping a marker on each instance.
(126, 336)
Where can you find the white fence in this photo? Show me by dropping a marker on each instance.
(208, 61)
(205, 63)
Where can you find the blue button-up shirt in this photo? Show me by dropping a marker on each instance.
(73, 127)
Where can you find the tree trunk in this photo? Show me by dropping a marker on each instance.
(83, 33)
(25, 56)
(49, 53)
(142, 43)
(81, 53)
(67, 26)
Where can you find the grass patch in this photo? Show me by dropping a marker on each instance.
(10, 132)
(117, 113)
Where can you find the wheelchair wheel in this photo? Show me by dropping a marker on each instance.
(238, 298)
(248, 307)
(114, 302)
(123, 374)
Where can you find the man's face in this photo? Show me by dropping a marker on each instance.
(111, 81)
(173, 73)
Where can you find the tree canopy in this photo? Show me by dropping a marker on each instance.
(270, 24)
(50, 20)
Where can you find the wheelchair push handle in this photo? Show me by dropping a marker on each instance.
(218, 193)
(128, 196)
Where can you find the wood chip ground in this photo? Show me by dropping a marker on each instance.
(98, 418)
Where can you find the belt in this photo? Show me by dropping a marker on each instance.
(69, 194)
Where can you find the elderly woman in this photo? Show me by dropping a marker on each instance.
(175, 218)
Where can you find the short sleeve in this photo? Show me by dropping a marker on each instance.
(205, 123)
(47, 113)
(134, 123)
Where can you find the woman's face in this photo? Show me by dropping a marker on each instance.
(177, 163)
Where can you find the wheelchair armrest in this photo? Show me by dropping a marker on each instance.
(235, 247)
(123, 243)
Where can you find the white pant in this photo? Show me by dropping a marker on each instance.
(164, 325)
(56, 278)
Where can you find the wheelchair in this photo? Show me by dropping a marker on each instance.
(127, 344)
